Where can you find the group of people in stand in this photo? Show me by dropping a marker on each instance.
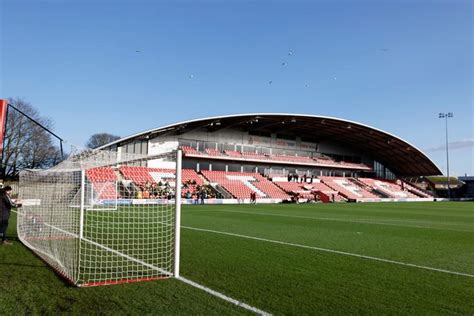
(197, 197)
(303, 179)
(154, 191)
(201, 193)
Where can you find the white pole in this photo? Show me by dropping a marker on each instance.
(447, 156)
(91, 198)
(81, 216)
(177, 228)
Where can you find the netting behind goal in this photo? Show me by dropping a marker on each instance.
(100, 218)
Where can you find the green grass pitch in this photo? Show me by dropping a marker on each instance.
(236, 253)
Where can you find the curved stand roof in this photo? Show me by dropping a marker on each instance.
(401, 157)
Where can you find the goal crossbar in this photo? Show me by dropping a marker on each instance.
(128, 243)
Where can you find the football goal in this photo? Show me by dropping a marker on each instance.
(101, 217)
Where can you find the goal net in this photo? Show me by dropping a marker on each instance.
(103, 218)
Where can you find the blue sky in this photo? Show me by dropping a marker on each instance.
(393, 65)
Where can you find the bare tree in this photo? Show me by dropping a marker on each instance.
(26, 145)
(100, 139)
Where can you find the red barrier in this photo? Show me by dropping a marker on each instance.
(3, 120)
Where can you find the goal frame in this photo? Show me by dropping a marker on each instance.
(91, 206)
(174, 243)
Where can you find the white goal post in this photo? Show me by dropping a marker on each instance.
(93, 194)
(100, 218)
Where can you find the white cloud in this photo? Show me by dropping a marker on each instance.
(460, 144)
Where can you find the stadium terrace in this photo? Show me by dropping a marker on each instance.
(276, 157)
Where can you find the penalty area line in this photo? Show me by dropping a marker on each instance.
(331, 251)
(223, 297)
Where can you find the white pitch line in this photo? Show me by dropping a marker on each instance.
(330, 251)
(341, 220)
(224, 297)
(187, 281)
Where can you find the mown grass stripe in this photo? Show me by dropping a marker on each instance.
(339, 220)
(331, 251)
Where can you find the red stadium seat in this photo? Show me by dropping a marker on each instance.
(241, 185)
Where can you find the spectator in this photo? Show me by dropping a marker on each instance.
(188, 195)
(154, 191)
(253, 197)
(147, 185)
(203, 196)
(6, 204)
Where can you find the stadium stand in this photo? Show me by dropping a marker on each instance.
(420, 192)
(295, 188)
(106, 190)
(240, 185)
(191, 180)
(352, 164)
(138, 175)
(235, 187)
(187, 150)
(297, 159)
(103, 180)
(288, 159)
(232, 153)
(101, 174)
(307, 190)
(253, 155)
(268, 187)
(347, 188)
(393, 190)
(163, 175)
(214, 152)
(142, 175)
